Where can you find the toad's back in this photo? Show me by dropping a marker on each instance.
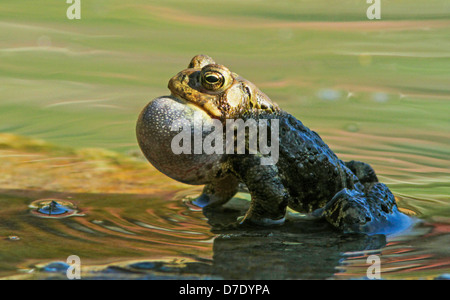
(310, 171)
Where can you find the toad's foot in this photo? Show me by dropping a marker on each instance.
(218, 192)
(374, 212)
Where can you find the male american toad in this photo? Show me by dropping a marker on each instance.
(307, 176)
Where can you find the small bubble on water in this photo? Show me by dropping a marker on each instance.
(445, 276)
(53, 208)
(55, 267)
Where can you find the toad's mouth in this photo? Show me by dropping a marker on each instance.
(203, 104)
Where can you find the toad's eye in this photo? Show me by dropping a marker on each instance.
(215, 78)
(212, 80)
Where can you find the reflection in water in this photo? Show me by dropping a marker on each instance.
(299, 249)
(132, 236)
(415, 254)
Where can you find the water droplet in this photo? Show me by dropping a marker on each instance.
(53, 208)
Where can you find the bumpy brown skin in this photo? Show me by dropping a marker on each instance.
(308, 176)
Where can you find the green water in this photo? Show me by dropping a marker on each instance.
(376, 91)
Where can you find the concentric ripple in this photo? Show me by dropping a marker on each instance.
(53, 208)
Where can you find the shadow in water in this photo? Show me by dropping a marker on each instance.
(300, 248)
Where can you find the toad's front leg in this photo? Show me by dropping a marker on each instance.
(218, 192)
(269, 197)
